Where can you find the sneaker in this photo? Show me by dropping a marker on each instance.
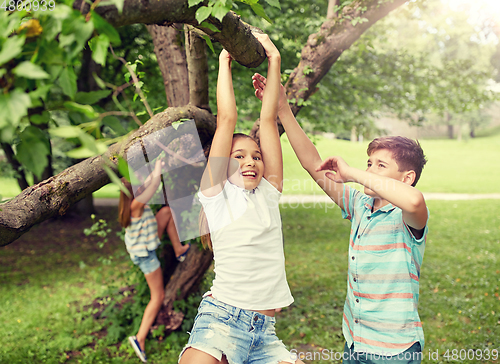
(137, 348)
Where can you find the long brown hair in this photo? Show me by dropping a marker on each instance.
(206, 240)
(124, 204)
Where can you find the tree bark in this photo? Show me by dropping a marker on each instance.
(197, 69)
(331, 12)
(171, 58)
(55, 195)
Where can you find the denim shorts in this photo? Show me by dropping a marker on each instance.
(147, 264)
(243, 336)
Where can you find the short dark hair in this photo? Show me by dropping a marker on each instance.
(407, 153)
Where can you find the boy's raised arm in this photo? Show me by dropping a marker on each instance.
(216, 172)
(304, 149)
(399, 193)
(270, 144)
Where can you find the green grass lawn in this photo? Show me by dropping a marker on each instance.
(43, 291)
(468, 166)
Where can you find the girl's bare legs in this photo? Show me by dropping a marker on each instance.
(165, 221)
(195, 356)
(155, 283)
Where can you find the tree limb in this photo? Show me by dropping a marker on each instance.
(234, 35)
(325, 47)
(55, 195)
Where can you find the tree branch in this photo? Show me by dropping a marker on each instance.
(235, 35)
(55, 195)
(325, 47)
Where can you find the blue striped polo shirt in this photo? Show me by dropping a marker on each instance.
(380, 310)
(142, 234)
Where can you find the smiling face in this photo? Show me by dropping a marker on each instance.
(382, 162)
(251, 167)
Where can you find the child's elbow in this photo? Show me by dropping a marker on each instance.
(416, 202)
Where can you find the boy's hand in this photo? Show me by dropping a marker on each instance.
(271, 51)
(337, 165)
(259, 84)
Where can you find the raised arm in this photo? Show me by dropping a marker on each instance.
(303, 147)
(153, 180)
(270, 144)
(216, 172)
(400, 193)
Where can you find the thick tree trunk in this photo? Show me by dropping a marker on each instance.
(171, 58)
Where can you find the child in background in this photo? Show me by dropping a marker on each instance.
(235, 321)
(386, 247)
(143, 232)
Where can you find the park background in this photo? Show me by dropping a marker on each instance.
(55, 279)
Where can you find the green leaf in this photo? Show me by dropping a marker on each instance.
(3, 71)
(114, 123)
(84, 109)
(66, 131)
(103, 27)
(67, 81)
(192, 3)
(29, 70)
(209, 43)
(203, 13)
(98, 80)
(11, 48)
(99, 46)
(80, 153)
(8, 23)
(33, 149)
(259, 10)
(39, 119)
(91, 97)
(275, 3)
(220, 10)
(115, 179)
(14, 106)
(51, 27)
(210, 26)
(118, 4)
(39, 93)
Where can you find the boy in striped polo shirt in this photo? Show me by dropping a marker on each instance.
(388, 232)
(386, 246)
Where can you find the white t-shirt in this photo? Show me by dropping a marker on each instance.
(247, 240)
